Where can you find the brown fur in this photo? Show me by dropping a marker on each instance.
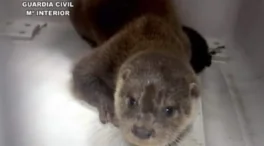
(98, 20)
(142, 54)
(154, 83)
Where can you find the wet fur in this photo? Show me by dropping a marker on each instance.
(132, 37)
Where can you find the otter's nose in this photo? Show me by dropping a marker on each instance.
(142, 132)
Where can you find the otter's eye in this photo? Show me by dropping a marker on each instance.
(169, 111)
(131, 102)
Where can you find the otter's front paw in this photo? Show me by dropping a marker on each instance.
(106, 113)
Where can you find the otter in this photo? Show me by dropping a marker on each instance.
(201, 57)
(87, 24)
(139, 77)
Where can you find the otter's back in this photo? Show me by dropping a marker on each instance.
(106, 17)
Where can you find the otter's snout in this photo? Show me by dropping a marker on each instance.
(142, 132)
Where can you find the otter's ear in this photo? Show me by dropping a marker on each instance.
(194, 90)
(125, 74)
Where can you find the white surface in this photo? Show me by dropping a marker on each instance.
(21, 29)
(218, 46)
(213, 18)
(214, 43)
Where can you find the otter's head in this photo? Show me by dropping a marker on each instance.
(155, 99)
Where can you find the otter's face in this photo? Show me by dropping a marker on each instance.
(154, 110)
